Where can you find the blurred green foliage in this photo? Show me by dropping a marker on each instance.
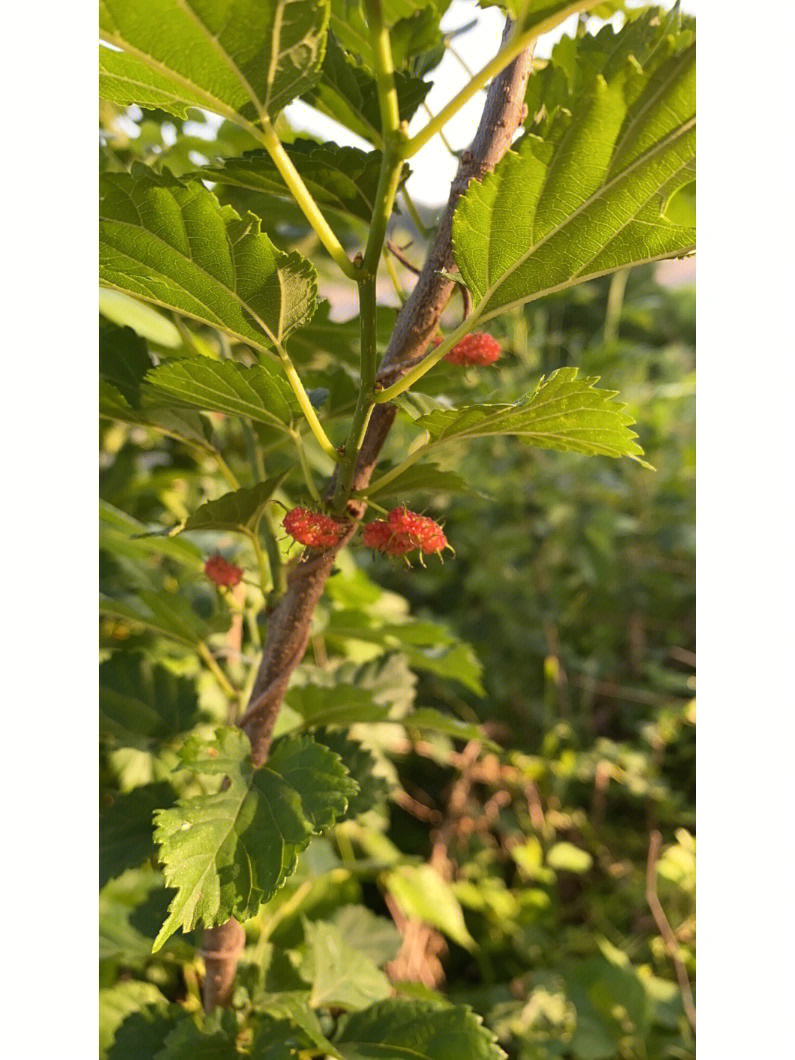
(569, 604)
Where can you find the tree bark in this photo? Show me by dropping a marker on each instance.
(290, 624)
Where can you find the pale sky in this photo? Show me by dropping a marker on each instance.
(433, 168)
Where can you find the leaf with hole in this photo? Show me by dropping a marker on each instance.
(229, 852)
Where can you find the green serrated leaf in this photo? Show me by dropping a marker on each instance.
(234, 57)
(420, 1030)
(173, 244)
(259, 392)
(342, 179)
(125, 829)
(341, 976)
(238, 510)
(588, 195)
(564, 412)
(423, 894)
(413, 28)
(229, 852)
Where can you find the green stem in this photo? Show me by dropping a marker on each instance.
(254, 452)
(278, 572)
(615, 303)
(414, 214)
(393, 276)
(390, 476)
(364, 402)
(425, 365)
(292, 178)
(515, 44)
(306, 469)
(306, 405)
(226, 470)
(217, 672)
(265, 577)
(384, 69)
(388, 181)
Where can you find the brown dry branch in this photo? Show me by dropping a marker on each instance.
(290, 623)
(666, 931)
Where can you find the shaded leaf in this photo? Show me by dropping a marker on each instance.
(421, 477)
(185, 427)
(167, 614)
(362, 766)
(343, 179)
(348, 93)
(142, 702)
(173, 244)
(428, 719)
(123, 360)
(190, 1041)
(125, 829)
(119, 1001)
(294, 1007)
(238, 510)
(336, 705)
(227, 853)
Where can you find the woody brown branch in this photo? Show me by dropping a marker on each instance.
(289, 626)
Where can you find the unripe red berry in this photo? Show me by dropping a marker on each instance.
(222, 572)
(426, 534)
(382, 537)
(313, 528)
(403, 532)
(477, 348)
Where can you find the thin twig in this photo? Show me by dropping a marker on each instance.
(394, 249)
(666, 931)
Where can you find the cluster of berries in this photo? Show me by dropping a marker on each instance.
(403, 532)
(313, 528)
(478, 348)
(222, 572)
